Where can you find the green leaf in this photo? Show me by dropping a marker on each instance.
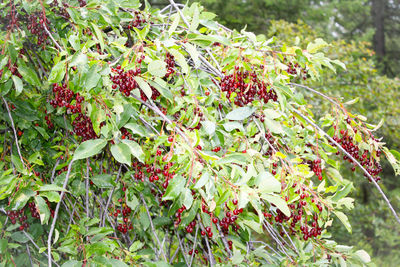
(174, 24)
(57, 72)
(237, 257)
(194, 54)
(136, 246)
(343, 218)
(268, 183)
(18, 84)
(72, 263)
(29, 75)
(363, 255)
(92, 78)
(273, 126)
(99, 35)
(22, 197)
(278, 202)
(44, 211)
(98, 248)
(232, 158)
(188, 199)
(51, 187)
(51, 196)
(175, 187)
(195, 20)
(209, 127)
(122, 153)
(157, 68)
(144, 86)
(318, 44)
(136, 128)
(135, 149)
(17, 163)
(240, 113)
(89, 148)
(132, 201)
(103, 180)
(181, 60)
(205, 177)
(232, 125)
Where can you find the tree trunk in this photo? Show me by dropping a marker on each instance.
(378, 18)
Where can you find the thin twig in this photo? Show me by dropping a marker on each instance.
(224, 240)
(15, 131)
(53, 224)
(51, 37)
(103, 219)
(180, 242)
(210, 254)
(29, 254)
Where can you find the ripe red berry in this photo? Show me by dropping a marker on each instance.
(235, 201)
(207, 93)
(170, 139)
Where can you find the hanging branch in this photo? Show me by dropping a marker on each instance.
(210, 254)
(103, 218)
(352, 159)
(194, 245)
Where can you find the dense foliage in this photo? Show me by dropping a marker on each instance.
(162, 137)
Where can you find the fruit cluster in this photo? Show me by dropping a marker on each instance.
(299, 218)
(124, 80)
(364, 157)
(36, 24)
(170, 60)
(247, 87)
(315, 166)
(138, 21)
(295, 69)
(63, 97)
(19, 215)
(83, 127)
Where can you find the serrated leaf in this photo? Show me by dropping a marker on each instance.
(157, 68)
(29, 75)
(205, 177)
(89, 148)
(240, 113)
(175, 187)
(316, 45)
(144, 86)
(135, 149)
(43, 209)
(209, 127)
(343, 218)
(194, 54)
(195, 20)
(180, 59)
(174, 24)
(18, 85)
(268, 183)
(122, 153)
(103, 180)
(99, 35)
(278, 202)
(188, 198)
(57, 72)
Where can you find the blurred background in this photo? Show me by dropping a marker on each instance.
(365, 35)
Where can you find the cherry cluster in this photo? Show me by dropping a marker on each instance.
(126, 134)
(83, 127)
(19, 215)
(125, 81)
(125, 212)
(170, 60)
(33, 209)
(315, 166)
(364, 157)
(11, 17)
(49, 123)
(216, 149)
(13, 69)
(247, 87)
(300, 221)
(178, 215)
(61, 11)
(82, 3)
(138, 21)
(230, 218)
(295, 69)
(36, 25)
(271, 141)
(63, 97)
